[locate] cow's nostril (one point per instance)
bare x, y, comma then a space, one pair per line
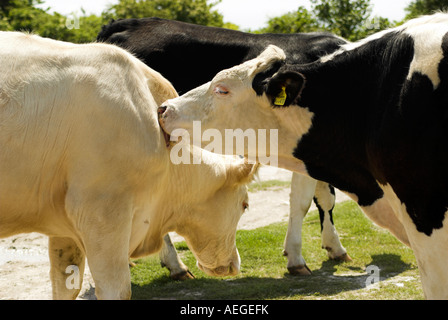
161, 110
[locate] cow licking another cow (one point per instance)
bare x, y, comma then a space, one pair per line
370, 118
83, 160
190, 55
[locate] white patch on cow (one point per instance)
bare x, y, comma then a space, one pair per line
430, 251
427, 33
293, 123
353, 45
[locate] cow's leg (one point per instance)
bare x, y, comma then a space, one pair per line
170, 259
324, 198
104, 225
67, 268
432, 258
300, 198
107, 254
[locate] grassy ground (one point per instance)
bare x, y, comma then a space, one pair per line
263, 268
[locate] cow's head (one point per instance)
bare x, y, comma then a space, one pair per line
203, 203
253, 95
213, 206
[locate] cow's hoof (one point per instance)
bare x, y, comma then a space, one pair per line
344, 257
300, 270
185, 275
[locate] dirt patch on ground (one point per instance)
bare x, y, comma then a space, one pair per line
24, 262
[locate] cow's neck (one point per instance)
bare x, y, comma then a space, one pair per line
292, 123
348, 95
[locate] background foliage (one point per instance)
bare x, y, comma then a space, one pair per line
351, 19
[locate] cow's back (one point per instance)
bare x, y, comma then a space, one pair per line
190, 55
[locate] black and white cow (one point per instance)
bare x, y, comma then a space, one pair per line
189, 55
371, 119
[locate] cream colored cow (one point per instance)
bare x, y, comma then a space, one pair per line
83, 160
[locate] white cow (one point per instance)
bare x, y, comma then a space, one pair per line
83, 160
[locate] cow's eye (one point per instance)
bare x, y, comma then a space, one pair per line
221, 90
245, 206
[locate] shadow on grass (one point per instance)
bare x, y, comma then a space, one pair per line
323, 282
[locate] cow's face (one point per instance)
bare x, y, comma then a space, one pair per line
252, 95
209, 224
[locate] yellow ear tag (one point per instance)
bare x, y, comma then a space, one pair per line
281, 98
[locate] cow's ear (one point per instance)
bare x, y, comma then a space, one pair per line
241, 172
284, 88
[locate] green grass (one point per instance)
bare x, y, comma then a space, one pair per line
263, 267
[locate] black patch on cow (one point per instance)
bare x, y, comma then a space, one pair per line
187, 55
322, 212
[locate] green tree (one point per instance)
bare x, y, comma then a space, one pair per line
25, 15
83, 28
343, 17
20, 15
373, 25
28, 15
422, 7
349, 19
299, 21
192, 11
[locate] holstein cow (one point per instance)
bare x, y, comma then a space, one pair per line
83, 160
371, 119
189, 55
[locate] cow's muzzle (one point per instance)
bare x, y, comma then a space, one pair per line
230, 270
